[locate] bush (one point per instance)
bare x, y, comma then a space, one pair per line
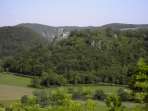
2, 108
124, 95
81, 93
1, 66
59, 97
28, 100
24, 99
114, 103
42, 98
51, 78
56, 97
36, 82
99, 95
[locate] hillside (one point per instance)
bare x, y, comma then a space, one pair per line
15, 39
121, 26
13, 87
53, 33
58, 33
92, 56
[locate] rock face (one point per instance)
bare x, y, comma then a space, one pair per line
51, 33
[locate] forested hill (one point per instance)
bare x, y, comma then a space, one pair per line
53, 33
58, 33
85, 56
16, 39
121, 26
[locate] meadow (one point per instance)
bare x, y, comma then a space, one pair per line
13, 87
12, 79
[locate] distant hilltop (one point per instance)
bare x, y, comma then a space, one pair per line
121, 26
52, 33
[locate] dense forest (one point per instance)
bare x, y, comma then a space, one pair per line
86, 56
80, 99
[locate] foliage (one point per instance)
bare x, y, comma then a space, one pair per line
114, 103
49, 79
56, 97
139, 82
42, 98
72, 106
124, 94
14, 40
28, 100
13, 79
1, 66
81, 93
86, 56
99, 95
54, 101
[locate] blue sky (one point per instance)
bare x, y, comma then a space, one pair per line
73, 12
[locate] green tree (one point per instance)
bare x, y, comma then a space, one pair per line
139, 82
114, 103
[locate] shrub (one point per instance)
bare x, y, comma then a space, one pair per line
90, 105
2, 108
24, 99
81, 93
28, 100
59, 97
124, 95
1, 66
99, 95
51, 78
114, 103
42, 98
36, 82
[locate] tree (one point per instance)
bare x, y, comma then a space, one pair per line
139, 82
36, 82
99, 95
1, 66
28, 100
114, 103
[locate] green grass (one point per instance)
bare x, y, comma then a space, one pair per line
13, 87
11, 79
108, 89
8, 102
101, 106
8, 92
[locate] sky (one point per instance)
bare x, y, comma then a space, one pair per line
73, 12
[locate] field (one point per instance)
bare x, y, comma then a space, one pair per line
8, 92
11, 79
13, 87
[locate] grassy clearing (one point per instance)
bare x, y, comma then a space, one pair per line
8, 92
108, 89
7, 103
10, 79
13, 87
101, 106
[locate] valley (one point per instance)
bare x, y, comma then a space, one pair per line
90, 68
